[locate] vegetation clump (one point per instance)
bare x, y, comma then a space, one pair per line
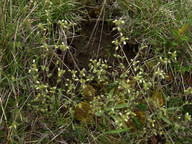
82, 71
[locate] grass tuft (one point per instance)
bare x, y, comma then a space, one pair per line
81, 71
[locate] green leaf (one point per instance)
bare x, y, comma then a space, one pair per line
99, 113
172, 108
139, 141
183, 29
174, 43
175, 33
117, 131
166, 120
111, 93
158, 97
142, 106
121, 106
137, 123
184, 38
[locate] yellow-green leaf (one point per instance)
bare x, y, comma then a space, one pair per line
121, 106
158, 97
183, 29
166, 120
82, 111
99, 113
117, 131
88, 92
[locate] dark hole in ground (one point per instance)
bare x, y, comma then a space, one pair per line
95, 41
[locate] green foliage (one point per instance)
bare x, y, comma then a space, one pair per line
48, 97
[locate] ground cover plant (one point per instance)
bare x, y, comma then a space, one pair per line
92, 71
